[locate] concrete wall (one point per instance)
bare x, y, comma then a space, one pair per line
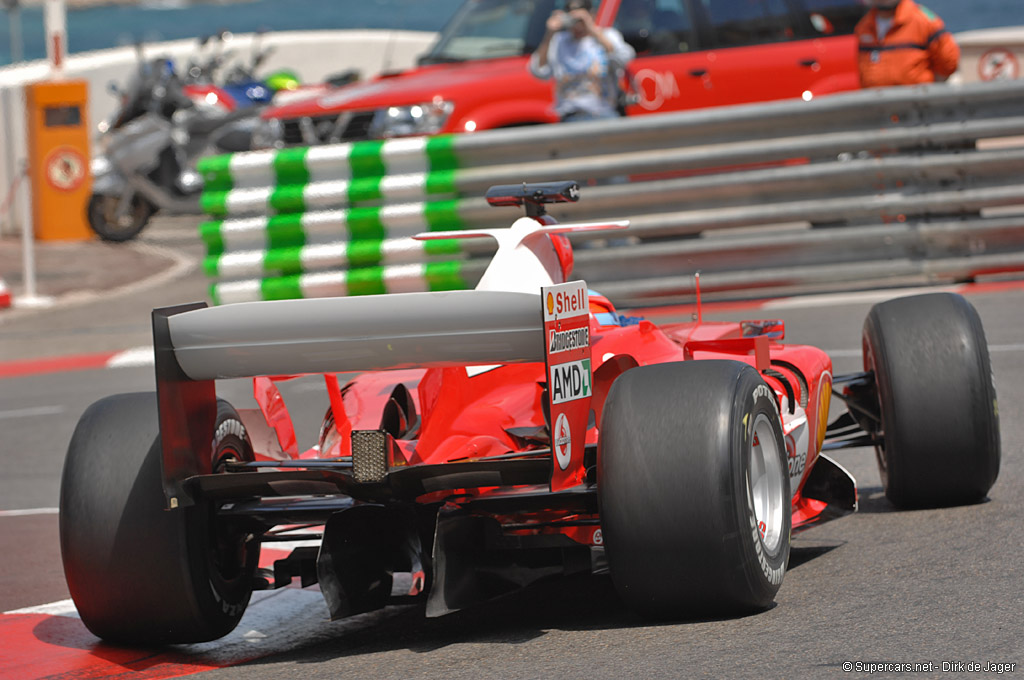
997, 43
313, 55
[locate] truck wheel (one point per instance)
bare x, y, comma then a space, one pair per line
693, 489
939, 431
103, 218
138, 573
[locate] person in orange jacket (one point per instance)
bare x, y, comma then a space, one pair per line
903, 43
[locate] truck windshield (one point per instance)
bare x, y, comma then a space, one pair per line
488, 29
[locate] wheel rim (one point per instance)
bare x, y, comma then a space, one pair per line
229, 545
124, 223
766, 484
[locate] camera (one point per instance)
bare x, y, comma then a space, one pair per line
567, 22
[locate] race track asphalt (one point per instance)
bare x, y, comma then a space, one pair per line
882, 586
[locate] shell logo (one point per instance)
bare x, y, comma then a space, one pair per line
551, 303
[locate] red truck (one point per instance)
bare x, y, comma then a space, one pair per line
690, 54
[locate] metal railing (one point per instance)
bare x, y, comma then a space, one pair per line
313, 55
869, 188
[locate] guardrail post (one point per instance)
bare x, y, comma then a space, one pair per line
10, 163
30, 298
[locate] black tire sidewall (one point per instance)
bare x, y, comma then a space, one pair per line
764, 569
231, 586
138, 573
673, 468
936, 398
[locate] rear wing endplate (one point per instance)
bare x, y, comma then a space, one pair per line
569, 378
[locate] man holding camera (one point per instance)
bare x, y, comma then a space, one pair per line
586, 63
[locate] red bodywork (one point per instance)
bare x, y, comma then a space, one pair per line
468, 416
430, 460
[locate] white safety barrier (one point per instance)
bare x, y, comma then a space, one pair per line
880, 187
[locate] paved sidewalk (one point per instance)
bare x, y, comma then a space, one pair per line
78, 267
102, 293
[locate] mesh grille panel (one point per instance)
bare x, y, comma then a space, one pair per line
369, 457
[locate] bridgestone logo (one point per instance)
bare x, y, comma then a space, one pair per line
563, 341
773, 574
570, 381
227, 428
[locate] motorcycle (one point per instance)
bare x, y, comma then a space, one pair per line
152, 143
240, 88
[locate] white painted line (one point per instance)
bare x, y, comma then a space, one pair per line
61, 608
29, 511
842, 353
858, 298
136, 356
32, 412
34, 302
847, 353
181, 264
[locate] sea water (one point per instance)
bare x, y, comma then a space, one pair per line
157, 20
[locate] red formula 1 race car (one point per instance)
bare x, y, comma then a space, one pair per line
501, 435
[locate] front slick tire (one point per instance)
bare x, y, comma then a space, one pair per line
939, 420
693, 490
140, 574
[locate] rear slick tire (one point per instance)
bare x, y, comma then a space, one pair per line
939, 418
140, 574
693, 490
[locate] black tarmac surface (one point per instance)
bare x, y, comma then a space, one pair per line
882, 586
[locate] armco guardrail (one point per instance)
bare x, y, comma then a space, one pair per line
860, 189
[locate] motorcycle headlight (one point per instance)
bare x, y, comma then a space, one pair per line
268, 134
418, 119
99, 165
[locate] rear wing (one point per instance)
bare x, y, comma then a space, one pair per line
333, 335
196, 345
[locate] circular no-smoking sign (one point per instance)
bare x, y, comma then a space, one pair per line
998, 64
65, 168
